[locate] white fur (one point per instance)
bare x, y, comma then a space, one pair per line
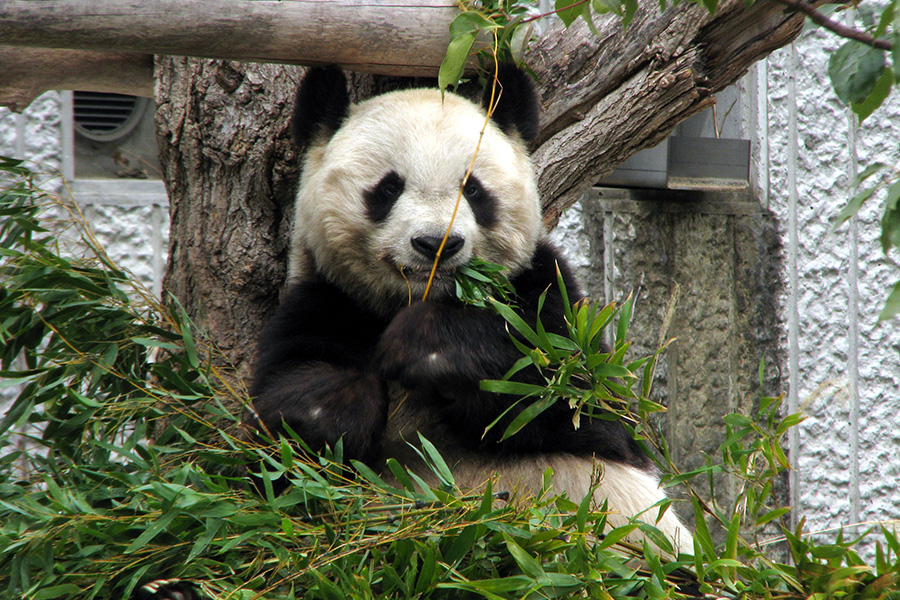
629, 492
429, 142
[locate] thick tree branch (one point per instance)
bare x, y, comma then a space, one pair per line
606, 97
835, 27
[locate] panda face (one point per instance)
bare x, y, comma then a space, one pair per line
379, 195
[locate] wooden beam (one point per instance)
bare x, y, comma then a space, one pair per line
29, 72
394, 37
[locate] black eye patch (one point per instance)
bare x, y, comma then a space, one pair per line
381, 198
483, 203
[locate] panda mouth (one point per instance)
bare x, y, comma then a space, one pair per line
420, 273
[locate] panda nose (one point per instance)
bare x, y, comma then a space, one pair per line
428, 245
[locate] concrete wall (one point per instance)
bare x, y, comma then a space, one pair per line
704, 269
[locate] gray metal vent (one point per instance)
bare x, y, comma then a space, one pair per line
106, 117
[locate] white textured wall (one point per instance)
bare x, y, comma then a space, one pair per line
35, 134
843, 367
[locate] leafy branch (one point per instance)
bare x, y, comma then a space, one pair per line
836, 27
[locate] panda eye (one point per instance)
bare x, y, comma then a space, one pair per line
381, 198
483, 203
472, 189
389, 188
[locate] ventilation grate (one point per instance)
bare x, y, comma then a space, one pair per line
106, 117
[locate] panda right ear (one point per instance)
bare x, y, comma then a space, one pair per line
322, 104
518, 107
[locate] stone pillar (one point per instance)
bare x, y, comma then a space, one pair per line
717, 256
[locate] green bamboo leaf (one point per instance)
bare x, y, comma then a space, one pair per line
490, 588
211, 528
880, 91
516, 322
702, 537
525, 561
629, 8
624, 321
852, 206
426, 579
454, 63
616, 535
151, 532
436, 461
890, 221
513, 388
568, 10
891, 305
471, 21
771, 516
66, 590
895, 38
527, 416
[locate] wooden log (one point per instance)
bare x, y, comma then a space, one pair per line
397, 37
29, 72
605, 97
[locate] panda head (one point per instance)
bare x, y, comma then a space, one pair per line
381, 179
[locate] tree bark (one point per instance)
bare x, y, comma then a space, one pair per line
231, 169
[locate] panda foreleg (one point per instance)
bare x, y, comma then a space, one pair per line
323, 403
435, 345
443, 352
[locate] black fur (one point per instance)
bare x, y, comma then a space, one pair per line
324, 351
518, 109
162, 589
316, 353
321, 105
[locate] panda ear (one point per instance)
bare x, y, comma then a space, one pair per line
321, 105
518, 108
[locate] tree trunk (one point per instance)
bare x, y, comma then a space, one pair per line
231, 168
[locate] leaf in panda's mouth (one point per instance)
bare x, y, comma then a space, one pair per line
479, 280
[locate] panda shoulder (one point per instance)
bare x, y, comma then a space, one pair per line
547, 265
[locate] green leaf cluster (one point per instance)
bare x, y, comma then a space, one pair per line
122, 459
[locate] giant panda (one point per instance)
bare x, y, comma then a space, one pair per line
353, 354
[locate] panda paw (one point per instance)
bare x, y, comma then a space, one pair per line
166, 589
416, 349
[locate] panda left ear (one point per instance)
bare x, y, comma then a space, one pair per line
518, 108
322, 104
